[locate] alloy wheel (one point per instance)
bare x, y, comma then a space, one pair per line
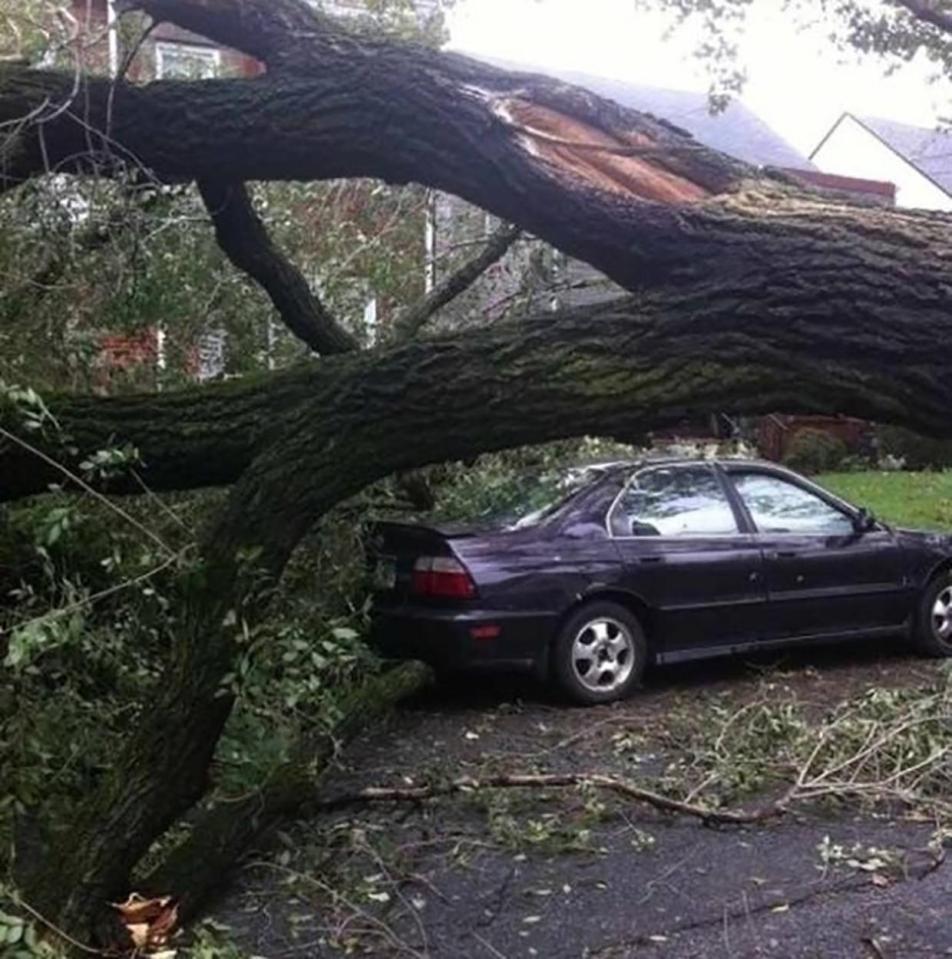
942, 615
603, 654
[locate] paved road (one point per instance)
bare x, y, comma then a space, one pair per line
460, 878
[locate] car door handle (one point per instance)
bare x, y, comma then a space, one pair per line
785, 554
649, 559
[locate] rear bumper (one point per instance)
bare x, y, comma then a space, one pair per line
443, 637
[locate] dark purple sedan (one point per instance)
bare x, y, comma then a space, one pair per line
659, 561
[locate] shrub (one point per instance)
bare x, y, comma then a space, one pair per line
916, 452
815, 451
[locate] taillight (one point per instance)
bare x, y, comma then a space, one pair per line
442, 576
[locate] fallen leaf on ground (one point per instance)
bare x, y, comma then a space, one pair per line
149, 922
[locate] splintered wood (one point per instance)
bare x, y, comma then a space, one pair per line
620, 164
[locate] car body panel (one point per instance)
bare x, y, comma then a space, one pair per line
703, 590
819, 584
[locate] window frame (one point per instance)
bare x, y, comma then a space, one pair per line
741, 519
164, 48
793, 479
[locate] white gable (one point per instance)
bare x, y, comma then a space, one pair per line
850, 149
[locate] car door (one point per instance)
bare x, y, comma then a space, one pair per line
824, 574
685, 554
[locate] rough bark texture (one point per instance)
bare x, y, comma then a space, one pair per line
567, 166
245, 241
825, 325
385, 110
195, 869
752, 295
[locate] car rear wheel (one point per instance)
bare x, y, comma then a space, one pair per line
934, 625
600, 653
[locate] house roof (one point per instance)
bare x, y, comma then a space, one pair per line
737, 131
927, 149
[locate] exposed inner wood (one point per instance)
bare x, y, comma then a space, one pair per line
602, 160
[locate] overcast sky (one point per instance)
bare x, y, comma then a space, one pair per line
797, 81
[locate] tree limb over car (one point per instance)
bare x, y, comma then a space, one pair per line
748, 292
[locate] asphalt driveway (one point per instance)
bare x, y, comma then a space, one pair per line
569, 873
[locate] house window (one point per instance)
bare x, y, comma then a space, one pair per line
210, 355
181, 61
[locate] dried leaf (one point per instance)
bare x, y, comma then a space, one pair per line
163, 926
138, 909
138, 933
149, 922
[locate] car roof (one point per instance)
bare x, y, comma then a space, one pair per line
661, 460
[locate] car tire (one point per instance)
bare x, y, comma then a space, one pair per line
933, 627
600, 653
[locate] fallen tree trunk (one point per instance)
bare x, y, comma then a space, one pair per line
852, 344
753, 295
630, 194
194, 871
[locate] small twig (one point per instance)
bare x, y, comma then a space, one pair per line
82, 484
55, 614
65, 936
337, 896
488, 946
876, 948
162, 506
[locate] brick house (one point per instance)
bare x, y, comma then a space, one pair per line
170, 52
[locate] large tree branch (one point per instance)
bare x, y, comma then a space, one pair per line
270, 31
567, 166
244, 239
824, 334
415, 317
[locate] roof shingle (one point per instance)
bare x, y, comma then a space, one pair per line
927, 149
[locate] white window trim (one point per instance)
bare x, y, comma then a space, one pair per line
162, 50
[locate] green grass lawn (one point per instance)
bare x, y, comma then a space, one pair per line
918, 500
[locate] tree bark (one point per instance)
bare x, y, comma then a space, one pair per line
565, 165
637, 199
220, 836
824, 326
245, 241
752, 295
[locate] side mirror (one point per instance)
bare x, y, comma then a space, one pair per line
864, 521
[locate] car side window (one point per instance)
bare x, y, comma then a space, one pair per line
673, 501
778, 506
